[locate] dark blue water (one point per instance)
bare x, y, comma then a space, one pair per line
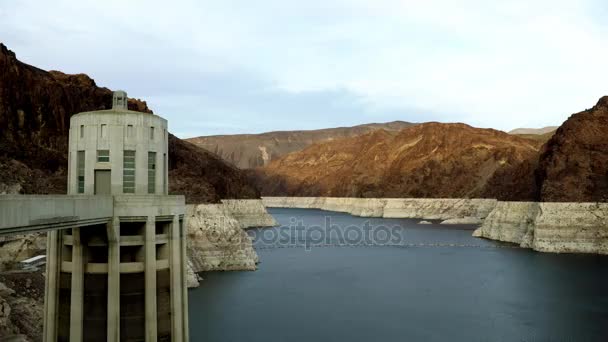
429, 283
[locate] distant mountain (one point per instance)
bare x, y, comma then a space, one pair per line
573, 166
537, 131
35, 111
254, 150
427, 160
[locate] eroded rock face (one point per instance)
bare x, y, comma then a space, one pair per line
574, 164
21, 316
550, 227
217, 240
249, 213
204, 177
430, 160
510, 222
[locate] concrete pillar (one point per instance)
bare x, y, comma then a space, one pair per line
51, 296
77, 295
175, 255
113, 231
150, 278
184, 258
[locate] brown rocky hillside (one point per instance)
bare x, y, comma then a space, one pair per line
427, 160
574, 163
254, 150
35, 110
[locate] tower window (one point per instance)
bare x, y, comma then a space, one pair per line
129, 131
104, 131
128, 172
103, 156
151, 172
151, 133
80, 171
82, 131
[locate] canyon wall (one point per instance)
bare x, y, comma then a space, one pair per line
428, 160
550, 227
249, 213
216, 236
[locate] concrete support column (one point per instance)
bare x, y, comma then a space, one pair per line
113, 231
150, 278
175, 259
184, 258
77, 295
51, 295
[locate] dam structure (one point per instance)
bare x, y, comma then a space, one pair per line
116, 246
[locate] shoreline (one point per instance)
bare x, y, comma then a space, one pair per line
541, 226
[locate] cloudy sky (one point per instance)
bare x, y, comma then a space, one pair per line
247, 66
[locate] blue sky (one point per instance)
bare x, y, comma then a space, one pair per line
223, 67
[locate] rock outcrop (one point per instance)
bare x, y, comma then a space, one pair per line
253, 150
573, 166
464, 220
203, 177
249, 213
217, 240
430, 160
21, 309
550, 227
510, 222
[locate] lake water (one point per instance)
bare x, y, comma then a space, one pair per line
402, 282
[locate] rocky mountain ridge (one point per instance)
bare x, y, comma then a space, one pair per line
254, 150
573, 165
536, 131
453, 160
432, 160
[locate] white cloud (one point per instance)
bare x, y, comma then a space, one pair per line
492, 64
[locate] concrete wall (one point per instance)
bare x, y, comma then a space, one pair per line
116, 141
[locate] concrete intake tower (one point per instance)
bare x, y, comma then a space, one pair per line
123, 279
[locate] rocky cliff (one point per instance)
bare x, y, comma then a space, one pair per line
21, 307
35, 111
204, 177
254, 150
550, 227
431, 160
573, 166
216, 236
